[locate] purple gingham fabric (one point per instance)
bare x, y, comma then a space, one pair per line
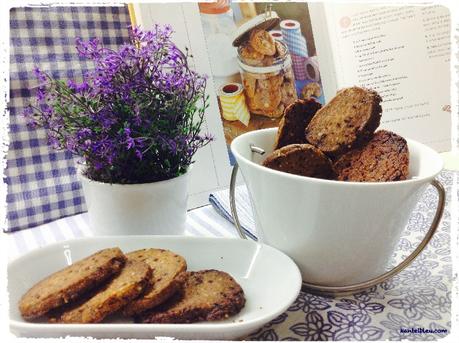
42, 183
299, 67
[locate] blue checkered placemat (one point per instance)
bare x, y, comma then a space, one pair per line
42, 184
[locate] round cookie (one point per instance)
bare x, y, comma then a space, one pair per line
347, 121
296, 117
288, 92
207, 295
301, 159
250, 56
274, 113
71, 282
267, 61
384, 158
167, 278
262, 42
267, 100
129, 284
272, 82
250, 85
310, 90
281, 50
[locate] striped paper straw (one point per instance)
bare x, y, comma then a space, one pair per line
232, 101
291, 34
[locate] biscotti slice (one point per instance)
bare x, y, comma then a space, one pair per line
262, 42
301, 159
384, 158
206, 295
167, 278
125, 287
346, 122
71, 282
250, 56
296, 117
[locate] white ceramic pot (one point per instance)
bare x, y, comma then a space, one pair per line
157, 208
339, 233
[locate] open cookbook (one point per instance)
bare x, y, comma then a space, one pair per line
402, 52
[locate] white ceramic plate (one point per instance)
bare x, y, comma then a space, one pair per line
271, 282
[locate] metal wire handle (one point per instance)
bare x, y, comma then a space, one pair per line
238, 225
357, 287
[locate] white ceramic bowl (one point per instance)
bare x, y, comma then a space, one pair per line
271, 282
339, 233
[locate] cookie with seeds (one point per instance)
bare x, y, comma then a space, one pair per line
122, 289
384, 158
262, 42
347, 121
281, 50
167, 278
206, 295
250, 56
272, 82
71, 282
266, 101
311, 90
301, 159
296, 117
250, 85
288, 92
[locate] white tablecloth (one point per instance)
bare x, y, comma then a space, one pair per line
418, 299
203, 221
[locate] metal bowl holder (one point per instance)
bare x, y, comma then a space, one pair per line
357, 287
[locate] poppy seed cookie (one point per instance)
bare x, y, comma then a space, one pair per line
206, 295
384, 158
71, 282
296, 117
167, 278
347, 121
129, 284
301, 159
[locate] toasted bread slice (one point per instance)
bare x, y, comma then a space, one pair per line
206, 295
167, 278
296, 117
384, 158
346, 122
71, 282
301, 159
123, 288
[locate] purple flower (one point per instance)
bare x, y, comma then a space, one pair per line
77, 88
130, 142
135, 117
39, 74
83, 133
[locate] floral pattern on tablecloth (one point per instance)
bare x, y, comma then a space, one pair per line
418, 297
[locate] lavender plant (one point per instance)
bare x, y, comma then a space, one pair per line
135, 118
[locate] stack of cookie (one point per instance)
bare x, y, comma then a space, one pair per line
338, 141
268, 90
150, 284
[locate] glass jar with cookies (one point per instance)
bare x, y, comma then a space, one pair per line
265, 66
